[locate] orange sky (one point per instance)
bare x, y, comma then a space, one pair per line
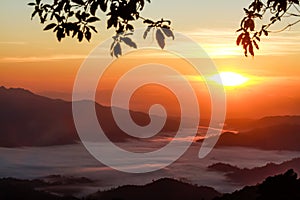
33, 59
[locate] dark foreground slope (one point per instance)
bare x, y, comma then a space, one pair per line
161, 189
13, 189
280, 187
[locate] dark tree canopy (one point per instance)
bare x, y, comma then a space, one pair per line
275, 10
75, 18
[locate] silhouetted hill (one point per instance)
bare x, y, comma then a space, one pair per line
280, 187
27, 119
65, 180
223, 167
255, 175
160, 189
276, 137
248, 124
276, 120
269, 133
14, 189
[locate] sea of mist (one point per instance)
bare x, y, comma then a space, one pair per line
74, 160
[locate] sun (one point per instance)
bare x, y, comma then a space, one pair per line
229, 79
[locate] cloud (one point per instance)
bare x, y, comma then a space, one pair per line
282, 43
40, 59
12, 43
221, 43
217, 43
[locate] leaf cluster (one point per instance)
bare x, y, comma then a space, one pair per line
76, 18
161, 29
249, 35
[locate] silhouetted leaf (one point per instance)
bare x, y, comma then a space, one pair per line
49, 26
94, 29
147, 31
239, 39
93, 8
103, 5
112, 46
31, 4
112, 22
71, 14
92, 19
249, 24
80, 36
245, 51
60, 34
117, 50
88, 35
129, 42
78, 15
255, 44
168, 32
58, 18
80, 2
129, 27
160, 38
142, 4
251, 51
33, 14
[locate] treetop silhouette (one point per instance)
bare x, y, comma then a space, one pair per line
277, 10
76, 18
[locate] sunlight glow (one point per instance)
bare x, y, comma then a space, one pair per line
230, 79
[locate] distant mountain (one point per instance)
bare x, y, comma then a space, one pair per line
276, 120
269, 133
160, 189
279, 187
253, 176
248, 124
65, 180
223, 167
27, 119
275, 137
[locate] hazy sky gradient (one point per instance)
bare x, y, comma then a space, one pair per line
33, 59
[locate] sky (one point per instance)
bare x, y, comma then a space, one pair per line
33, 59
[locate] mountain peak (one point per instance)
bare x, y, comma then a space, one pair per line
15, 90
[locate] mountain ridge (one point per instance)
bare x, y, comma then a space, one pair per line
27, 119
246, 176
